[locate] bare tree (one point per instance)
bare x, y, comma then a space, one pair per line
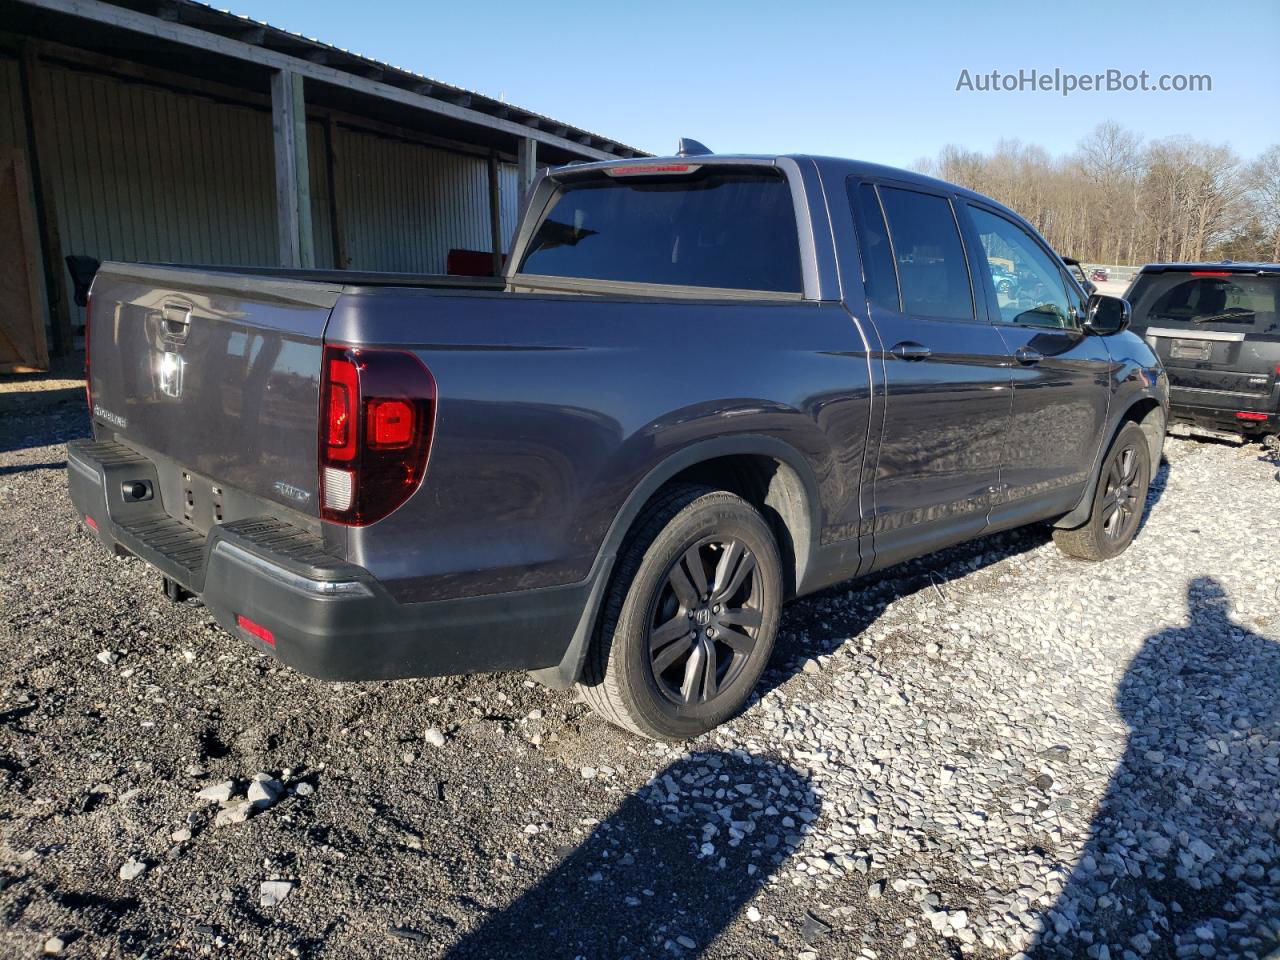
1262, 178
1116, 200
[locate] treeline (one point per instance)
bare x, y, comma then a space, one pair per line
1119, 200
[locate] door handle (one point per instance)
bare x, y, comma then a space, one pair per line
1027, 356
910, 350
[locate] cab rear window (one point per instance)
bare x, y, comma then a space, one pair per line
1208, 300
729, 228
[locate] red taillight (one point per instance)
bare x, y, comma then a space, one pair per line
255, 630
343, 384
88, 382
1211, 273
1251, 416
390, 424
379, 409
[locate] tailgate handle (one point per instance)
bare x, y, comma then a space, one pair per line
175, 319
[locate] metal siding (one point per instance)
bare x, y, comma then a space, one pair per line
407, 205
145, 173
142, 173
509, 208
12, 128
317, 163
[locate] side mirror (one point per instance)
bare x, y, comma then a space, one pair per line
1107, 315
1090, 287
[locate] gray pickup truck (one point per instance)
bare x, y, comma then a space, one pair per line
705, 385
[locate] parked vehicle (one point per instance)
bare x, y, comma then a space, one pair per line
705, 385
1215, 328
1077, 271
1005, 280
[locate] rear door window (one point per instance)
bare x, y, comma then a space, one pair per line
732, 228
1207, 300
928, 255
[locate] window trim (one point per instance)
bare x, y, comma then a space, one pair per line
988, 285
949, 198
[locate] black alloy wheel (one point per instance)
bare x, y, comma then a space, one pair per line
705, 621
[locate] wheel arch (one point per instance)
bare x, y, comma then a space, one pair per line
1148, 413
768, 473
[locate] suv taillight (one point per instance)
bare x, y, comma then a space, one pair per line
377, 415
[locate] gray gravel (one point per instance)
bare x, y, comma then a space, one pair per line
989, 751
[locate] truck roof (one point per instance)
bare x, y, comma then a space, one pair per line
837, 165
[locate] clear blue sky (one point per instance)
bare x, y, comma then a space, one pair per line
875, 82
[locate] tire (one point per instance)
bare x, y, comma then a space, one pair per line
1112, 526
656, 682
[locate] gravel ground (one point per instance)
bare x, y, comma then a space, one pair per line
989, 751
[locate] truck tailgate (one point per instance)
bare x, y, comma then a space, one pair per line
215, 374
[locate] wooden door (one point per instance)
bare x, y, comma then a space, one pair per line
23, 347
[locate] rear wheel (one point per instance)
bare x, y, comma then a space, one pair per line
690, 616
1118, 502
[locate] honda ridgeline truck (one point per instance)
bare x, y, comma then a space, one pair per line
705, 385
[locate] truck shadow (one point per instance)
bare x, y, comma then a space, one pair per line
1184, 851
671, 868
862, 601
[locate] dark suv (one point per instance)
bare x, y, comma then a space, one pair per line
1215, 327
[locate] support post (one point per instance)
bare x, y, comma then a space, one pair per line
35, 106
495, 215
293, 178
527, 162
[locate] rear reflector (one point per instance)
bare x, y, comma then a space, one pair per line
1251, 416
91, 523
255, 630
338, 485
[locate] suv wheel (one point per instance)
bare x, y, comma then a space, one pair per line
1118, 503
690, 616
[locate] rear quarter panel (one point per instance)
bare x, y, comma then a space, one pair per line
552, 409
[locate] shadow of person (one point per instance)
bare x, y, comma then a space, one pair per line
670, 869
1184, 855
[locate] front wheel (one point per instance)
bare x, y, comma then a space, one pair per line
690, 616
1118, 502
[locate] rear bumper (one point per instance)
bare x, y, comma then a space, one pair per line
1216, 411
321, 615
